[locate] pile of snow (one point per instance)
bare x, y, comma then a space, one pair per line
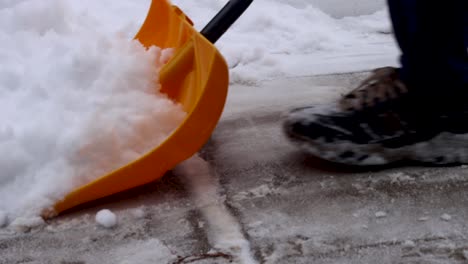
277, 38
273, 38
342, 8
76, 102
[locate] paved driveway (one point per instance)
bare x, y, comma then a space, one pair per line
266, 202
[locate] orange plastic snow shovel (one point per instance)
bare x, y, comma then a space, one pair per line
196, 77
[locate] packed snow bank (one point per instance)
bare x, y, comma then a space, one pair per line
278, 38
274, 38
342, 8
76, 103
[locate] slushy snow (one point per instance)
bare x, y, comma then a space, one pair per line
76, 102
106, 218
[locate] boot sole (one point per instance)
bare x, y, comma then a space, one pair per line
443, 149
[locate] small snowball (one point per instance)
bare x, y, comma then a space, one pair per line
446, 217
106, 218
380, 214
423, 219
408, 244
3, 219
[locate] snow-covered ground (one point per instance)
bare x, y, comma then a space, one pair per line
261, 201
294, 38
276, 38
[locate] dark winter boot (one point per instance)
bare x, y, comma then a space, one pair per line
384, 121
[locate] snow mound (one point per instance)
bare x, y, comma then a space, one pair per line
284, 37
76, 103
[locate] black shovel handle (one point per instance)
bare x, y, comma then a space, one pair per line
224, 19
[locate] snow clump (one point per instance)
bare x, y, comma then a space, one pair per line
76, 102
106, 218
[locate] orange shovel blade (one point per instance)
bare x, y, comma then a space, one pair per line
196, 77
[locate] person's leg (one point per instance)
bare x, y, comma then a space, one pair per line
433, 38
418, 112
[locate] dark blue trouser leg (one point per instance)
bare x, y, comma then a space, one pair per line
433, 38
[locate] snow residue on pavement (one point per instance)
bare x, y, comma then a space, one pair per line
141, 252
76, 103
446, 217
224, 231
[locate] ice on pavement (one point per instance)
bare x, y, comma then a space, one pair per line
76, 103
106, 218
225, 233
